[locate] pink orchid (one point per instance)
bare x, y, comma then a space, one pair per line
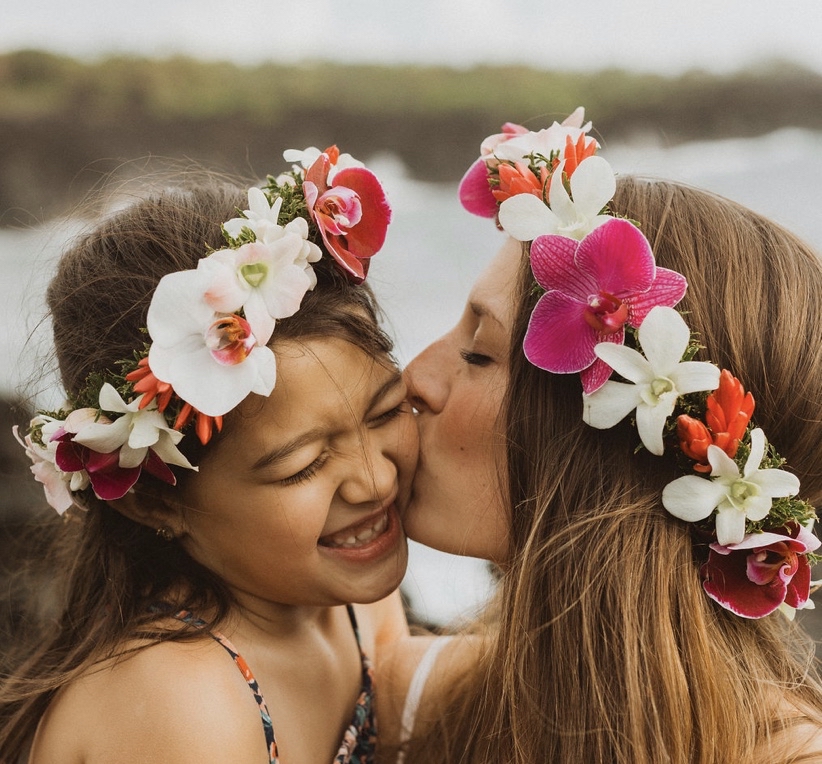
756, 576
352, 213
108, 479
45, 472
594, 287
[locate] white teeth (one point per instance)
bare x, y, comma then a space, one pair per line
348, 541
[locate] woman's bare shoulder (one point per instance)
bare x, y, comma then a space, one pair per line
171, 701
397, 666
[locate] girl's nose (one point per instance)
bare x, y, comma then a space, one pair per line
372, 477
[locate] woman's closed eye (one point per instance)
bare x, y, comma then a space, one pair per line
475, 359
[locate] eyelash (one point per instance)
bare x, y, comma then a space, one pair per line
475, 359
305, 473
389, 415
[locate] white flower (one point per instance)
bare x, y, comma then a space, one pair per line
525, 216
544, 142
267, 280
133, 433
212, 360
657, 381
736, 496
305, 158
259, 217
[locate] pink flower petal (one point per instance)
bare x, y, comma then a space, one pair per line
553, 262
619, 257
668, 289
366, 237
475, 193
558, 338
799, 587
599, 372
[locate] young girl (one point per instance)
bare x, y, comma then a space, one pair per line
602, 408
232, 458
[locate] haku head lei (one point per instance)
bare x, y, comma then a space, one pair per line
601, 291
209, 329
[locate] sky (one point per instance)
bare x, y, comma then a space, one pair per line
664, 36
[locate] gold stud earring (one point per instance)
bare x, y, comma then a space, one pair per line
165, 533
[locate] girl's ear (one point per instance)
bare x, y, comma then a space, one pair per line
151, 506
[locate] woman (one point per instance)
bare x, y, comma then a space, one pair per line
621, 636
205, 613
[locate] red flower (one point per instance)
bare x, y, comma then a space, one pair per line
754, 577
351, 213
108, 479
728, 411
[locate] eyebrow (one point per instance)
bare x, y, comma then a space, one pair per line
481, 311
282, 452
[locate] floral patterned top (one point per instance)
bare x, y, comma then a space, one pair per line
360, 738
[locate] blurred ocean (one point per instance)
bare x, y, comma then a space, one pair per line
434, 251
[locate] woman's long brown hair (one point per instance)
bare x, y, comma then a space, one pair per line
608, 650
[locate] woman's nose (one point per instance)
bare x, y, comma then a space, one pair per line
427, 378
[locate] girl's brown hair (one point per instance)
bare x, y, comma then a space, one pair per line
608, 649
115, 571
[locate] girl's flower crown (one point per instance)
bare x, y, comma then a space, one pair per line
601, 287
209, 329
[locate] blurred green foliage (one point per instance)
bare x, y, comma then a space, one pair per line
65, 123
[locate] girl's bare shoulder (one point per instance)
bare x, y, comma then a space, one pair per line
181, 701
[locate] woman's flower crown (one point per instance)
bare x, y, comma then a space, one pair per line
209, 329
601, 287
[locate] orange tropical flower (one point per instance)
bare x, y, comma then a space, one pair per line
145, 382
518, 178
575, 153
728, 410
204, 425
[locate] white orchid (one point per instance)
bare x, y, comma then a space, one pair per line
658, 378
735, 495
544, 142
133, 433
525, 216
212, 360
267, 280
259, 218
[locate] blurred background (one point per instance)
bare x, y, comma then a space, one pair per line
727, 96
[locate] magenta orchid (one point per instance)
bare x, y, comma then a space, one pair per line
350, 210
763, 572
593, 288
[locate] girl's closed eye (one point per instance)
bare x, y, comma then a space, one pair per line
392, 413
306, 473
475, 359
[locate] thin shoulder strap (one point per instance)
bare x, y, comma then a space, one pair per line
415, 689
268, 728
